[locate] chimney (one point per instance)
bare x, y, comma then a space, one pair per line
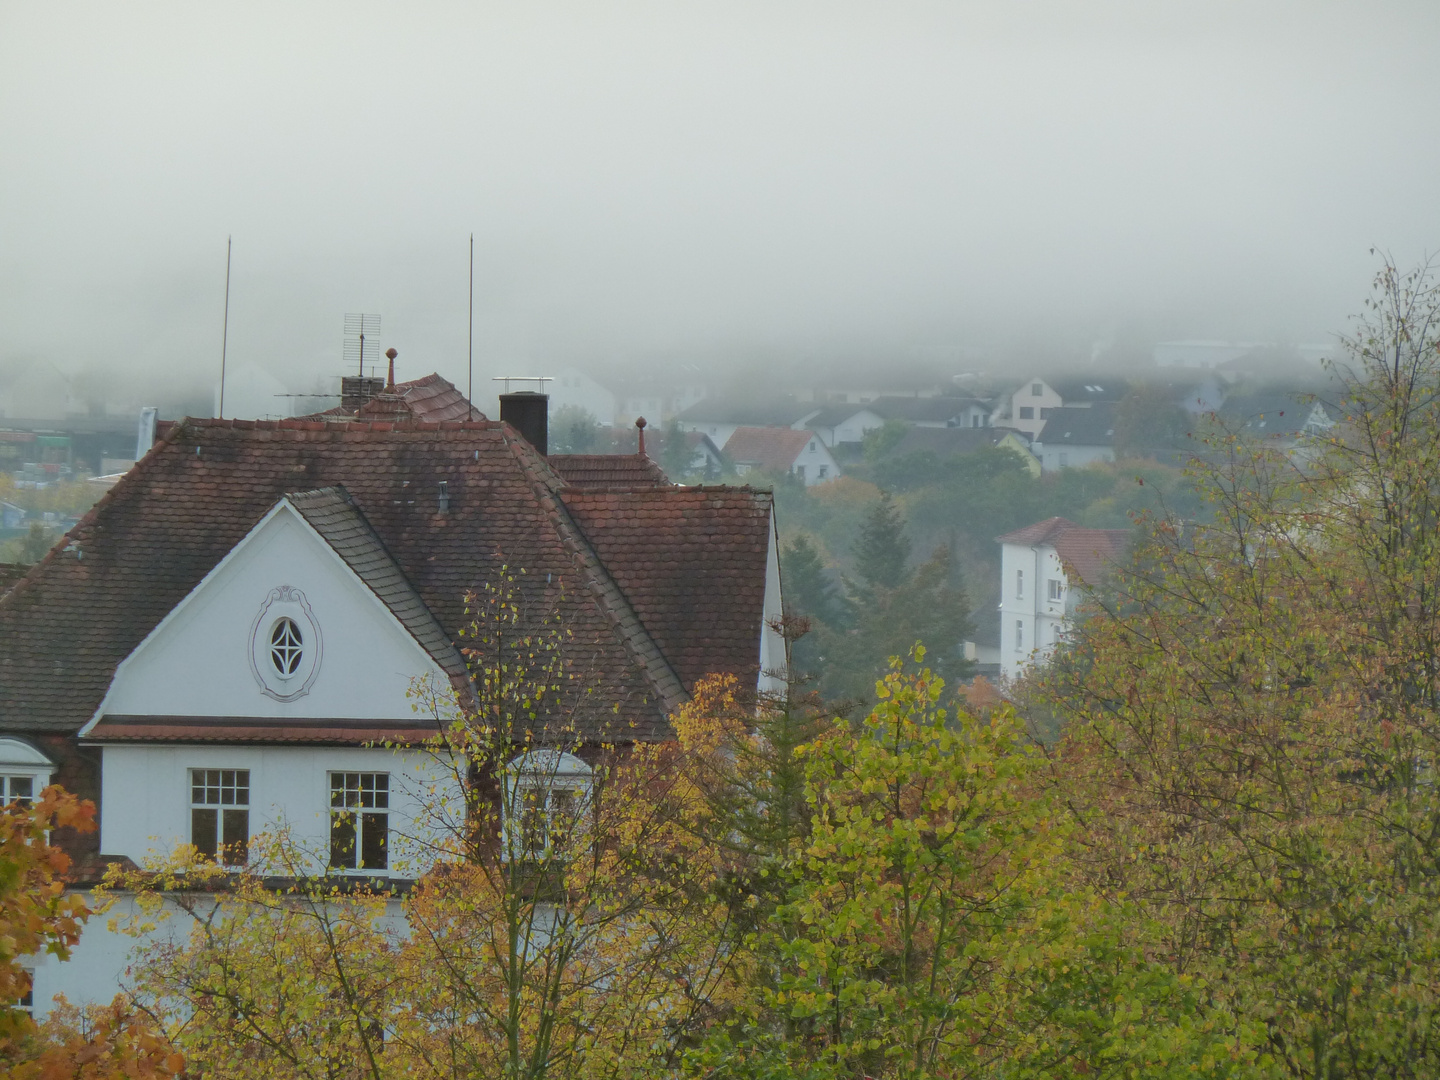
145, 437
356, 390
528, 413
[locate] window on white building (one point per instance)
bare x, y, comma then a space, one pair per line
824, 471
1036, 389
1027, 412
1019, 584
547, 791
359, 821
287, 647
1054, 589
17, 789
26, 1001
800, 471
220, 814
1019, 634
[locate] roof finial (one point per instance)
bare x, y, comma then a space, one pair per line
640, 423
390, 353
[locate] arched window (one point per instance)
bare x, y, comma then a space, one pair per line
24, 771
546, 794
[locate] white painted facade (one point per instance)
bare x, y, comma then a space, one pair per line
773, 667
1055, 458
1034, 605
1028, 408
850, 430
815, 464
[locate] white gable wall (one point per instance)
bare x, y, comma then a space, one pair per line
197, 662
1026, 607
772, 644
814, 457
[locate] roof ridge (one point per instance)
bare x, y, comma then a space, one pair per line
611, 599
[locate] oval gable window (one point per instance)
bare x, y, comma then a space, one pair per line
285, 645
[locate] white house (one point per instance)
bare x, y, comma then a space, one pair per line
1031, 404
1043, 569
802, 454
224, 642
1072, 438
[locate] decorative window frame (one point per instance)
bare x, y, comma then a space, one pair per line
534, 770
20, 757
285, 602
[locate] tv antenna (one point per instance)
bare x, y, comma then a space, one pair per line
362, 333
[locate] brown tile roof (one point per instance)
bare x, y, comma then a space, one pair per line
678, 551
608, 470
432, 399
767, 447
1088, 553
249, 729
156, 533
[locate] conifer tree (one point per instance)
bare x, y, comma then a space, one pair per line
882, 549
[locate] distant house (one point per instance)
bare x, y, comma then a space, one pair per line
963, 412
619, 401
720, 417
1074, 437
950, 442
11, 516
782, 450
1044, 569
1276, 415
1028, 407
842, 424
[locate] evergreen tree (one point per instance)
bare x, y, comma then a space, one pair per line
807, 590
882, 550
575, 431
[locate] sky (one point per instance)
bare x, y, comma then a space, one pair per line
724, 185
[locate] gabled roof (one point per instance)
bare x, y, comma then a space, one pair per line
779, 410
947, 442
333, 514
1275, 413
608, 470
767, 447
920, 410
833, 415
1089, 388
1094, 426
1088, 553
154, 536
432, 399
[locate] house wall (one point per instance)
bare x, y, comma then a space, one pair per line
850, 430
1055, 458
147, 796
197, 661
815, 464
574, 387
1026, 398
773, 668
1042, 620
718, 430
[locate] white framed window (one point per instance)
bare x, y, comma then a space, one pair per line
547, 792
1027, 412
1036, 389
359, 821
25, 1003
1019, 634
1054, 589
24, 772
220, 814
1019, 584
824, 471
285, 645
800, 471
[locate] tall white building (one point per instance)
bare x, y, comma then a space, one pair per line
1043, 568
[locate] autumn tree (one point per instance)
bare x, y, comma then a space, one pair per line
1252, 720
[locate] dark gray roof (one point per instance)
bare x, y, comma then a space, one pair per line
923, 409
1092, 426
1276, 412
947, 442
832, 415
333, 514
780, 410
1085, 388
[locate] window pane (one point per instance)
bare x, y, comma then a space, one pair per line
342, 841
375, 840
203, 830
237, 837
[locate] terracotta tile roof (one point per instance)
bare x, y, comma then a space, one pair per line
767, 447
679, 551
432, 399
156, 533
333, 514
1088, 553
608, 470
249, 729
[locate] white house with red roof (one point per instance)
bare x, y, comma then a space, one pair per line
1043, 570
802, 454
